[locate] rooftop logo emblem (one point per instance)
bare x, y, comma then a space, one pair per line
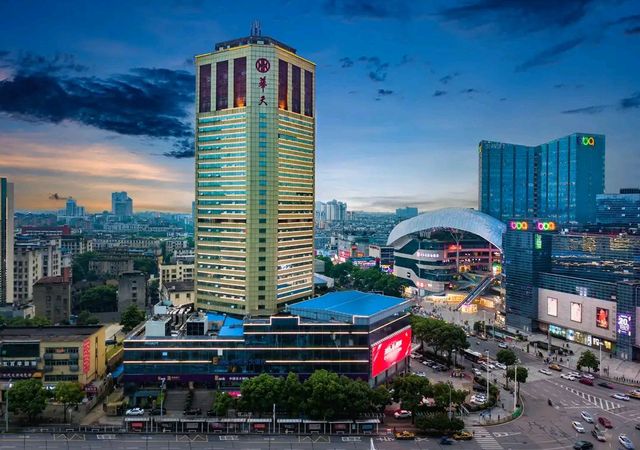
522, 226
588, 140
546, 226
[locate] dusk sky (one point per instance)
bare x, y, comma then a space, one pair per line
98, 97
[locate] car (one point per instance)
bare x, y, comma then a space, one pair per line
158, 411
545, 371
619, 396
555, 367
134, 412
605, 422
425, 362
588, 376
626, 442
462, 436
577, 426
503, 345
586, 381
421, 374
192, 412
501, 366
445, 441
606, 385
415, 356
638, 426
586, 416
402, 414
478, 399
477, 372
568, 376
405, 435
582, 445
574, 374
598, 434
634, 393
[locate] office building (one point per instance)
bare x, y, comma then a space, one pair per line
575, 285
121, 204
176, 272
406, 213
336, 211
52, 298
72, 210
558, 180
33, 259
53, 354
255, 158
356, 334
383, 255
132, 290
619, 210
6, 242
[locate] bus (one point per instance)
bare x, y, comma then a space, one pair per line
472, 356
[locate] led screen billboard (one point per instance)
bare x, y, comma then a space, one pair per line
602, 318
624, 324
552, 306
576, 312
390, 351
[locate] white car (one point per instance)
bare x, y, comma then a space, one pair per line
503, 345
402, 414
588, 376
586, 416
619, 396
626, 442
545, 371
477, 372
478, 399
421, 374
501, 366
577, 426
134, 412
574, 374
568, 376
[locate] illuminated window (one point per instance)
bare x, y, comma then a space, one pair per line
239, 82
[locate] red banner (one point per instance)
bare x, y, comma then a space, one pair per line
86, 356
390, 351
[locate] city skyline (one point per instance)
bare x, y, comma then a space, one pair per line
124, 95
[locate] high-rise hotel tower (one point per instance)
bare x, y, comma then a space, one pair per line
255, 164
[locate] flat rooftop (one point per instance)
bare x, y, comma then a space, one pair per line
58, 333
346, 306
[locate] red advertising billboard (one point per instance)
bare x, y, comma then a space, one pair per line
86, 356
390, 351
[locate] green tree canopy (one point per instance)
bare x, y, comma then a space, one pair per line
523, 373
86, 318
324, 395
80, 266
103, 298
146, 265
27, 398
69, 394
439, 422
131, 317
260, 393
506, 357
589, 360
222, 403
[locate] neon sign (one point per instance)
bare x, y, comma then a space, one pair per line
546, 226
522, 225
588, 140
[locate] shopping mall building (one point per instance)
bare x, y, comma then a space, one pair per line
360, 335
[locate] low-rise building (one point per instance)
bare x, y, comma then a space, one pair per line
33, 259
132, 290
52, 298
179, 293
176, 272
111, 265
53, 354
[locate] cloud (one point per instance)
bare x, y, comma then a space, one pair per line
439, 93
384, 92
631, 102
518, 15
29, 63
470, 91
550, 55
595, 109
632, 21
448, 78
406, 59
391, 202
183, 149
378, 68
368, 9
634, 30
346, 62
148, 102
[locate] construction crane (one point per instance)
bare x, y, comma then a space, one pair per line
55, 196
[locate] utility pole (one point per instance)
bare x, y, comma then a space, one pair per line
6, 413
515, 389
487, 361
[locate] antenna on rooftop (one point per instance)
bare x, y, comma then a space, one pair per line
255, 28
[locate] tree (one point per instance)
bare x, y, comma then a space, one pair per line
324, 395
589, 360
131, 317
80, 266
37, 321
409, 390
292, 395
28, 398
439, 423
506, 357
440, 393
86, 318
328, 265
101, 298
222, 403
260, 393
523, 373
153, 291
69, 394
380, 397
479, 326
146, 265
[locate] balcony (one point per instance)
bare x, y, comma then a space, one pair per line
74, 368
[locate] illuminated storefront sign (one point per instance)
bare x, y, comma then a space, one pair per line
523, 225
580, 337
86, 356
538, 242
624, 324
519, 225
545, 226
602, 318
588, 140
425, 254
390, 351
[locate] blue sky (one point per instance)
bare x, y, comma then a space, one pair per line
99, 97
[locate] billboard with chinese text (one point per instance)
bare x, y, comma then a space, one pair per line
390, 351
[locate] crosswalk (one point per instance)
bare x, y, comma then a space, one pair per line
485, 440
606, 405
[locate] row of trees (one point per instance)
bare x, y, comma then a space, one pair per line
324, 395
349, 276
441, 336
29, 398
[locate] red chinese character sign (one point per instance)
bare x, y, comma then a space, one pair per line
390, 351
86, 356
263, 65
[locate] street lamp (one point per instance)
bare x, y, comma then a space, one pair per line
6, 413
162, 386
488, 392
